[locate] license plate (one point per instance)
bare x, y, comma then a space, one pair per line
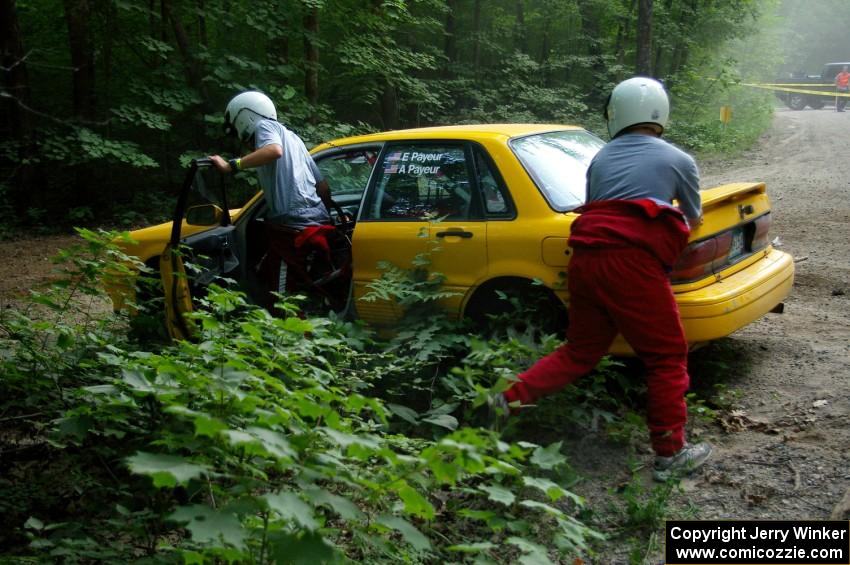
737, 247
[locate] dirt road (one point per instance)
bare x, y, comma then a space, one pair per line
787, 453
782, 438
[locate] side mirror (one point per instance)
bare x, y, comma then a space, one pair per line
204, 215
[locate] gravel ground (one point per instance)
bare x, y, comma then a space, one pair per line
781, 449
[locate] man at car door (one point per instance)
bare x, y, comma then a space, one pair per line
626, 239
296, 195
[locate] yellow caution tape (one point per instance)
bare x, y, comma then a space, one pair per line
829, 93
792, 84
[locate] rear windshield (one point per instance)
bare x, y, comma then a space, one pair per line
557, 162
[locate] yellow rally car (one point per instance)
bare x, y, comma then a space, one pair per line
498, 199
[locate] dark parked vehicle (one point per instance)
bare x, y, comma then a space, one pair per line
808, 88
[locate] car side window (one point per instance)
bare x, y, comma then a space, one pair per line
348, 172
421, 181
493, 192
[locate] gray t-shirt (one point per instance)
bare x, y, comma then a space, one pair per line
634, 166
289, 183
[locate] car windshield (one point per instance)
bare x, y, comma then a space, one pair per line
557, 162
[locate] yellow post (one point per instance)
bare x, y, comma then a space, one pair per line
725, 114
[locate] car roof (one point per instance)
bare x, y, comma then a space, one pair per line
470, 131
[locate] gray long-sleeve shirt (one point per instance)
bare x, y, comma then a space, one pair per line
634, 166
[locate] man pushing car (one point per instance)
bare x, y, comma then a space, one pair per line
625, 241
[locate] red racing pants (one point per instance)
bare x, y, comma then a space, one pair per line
291, 247
626, 291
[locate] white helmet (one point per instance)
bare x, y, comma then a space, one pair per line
245, 110
638, 100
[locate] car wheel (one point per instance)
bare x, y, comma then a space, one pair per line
796, 101
516, 303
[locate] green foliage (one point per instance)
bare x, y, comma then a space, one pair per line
262, 441
159, 79
696, 122
516, 92
59, 343
646, 508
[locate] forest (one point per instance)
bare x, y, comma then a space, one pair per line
311, 439
103, 100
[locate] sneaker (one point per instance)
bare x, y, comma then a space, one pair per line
498, 411
686, 460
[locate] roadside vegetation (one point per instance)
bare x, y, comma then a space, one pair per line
301, 439
103, 102
309, 438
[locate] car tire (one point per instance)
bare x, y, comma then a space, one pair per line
518, 303
796, 101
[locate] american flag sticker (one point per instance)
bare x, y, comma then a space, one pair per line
391, 162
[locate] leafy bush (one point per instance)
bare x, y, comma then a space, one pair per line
262, 441
695, 122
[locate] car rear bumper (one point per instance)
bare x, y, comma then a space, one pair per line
732, 302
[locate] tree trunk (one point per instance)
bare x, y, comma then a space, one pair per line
450, 45
202, 23
77, 16
15, 74
111, 24
680, 51
476, 36
152, 20
16, 118
520, 37
389, 107
163, 21
624, 31
193, 66
619, 51
311, 56
544, 56
590, 35
643, 56
278, 50
657, 69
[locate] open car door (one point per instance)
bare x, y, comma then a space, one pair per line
211, 249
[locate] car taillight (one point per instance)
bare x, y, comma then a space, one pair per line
724, 247
760, 236
695, 262
714, 254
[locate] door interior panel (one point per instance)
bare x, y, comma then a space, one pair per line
213, 254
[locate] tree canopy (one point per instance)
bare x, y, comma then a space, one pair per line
101, 98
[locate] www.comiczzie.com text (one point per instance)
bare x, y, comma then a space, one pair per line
758, 542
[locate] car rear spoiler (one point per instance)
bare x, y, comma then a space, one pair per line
731, 192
